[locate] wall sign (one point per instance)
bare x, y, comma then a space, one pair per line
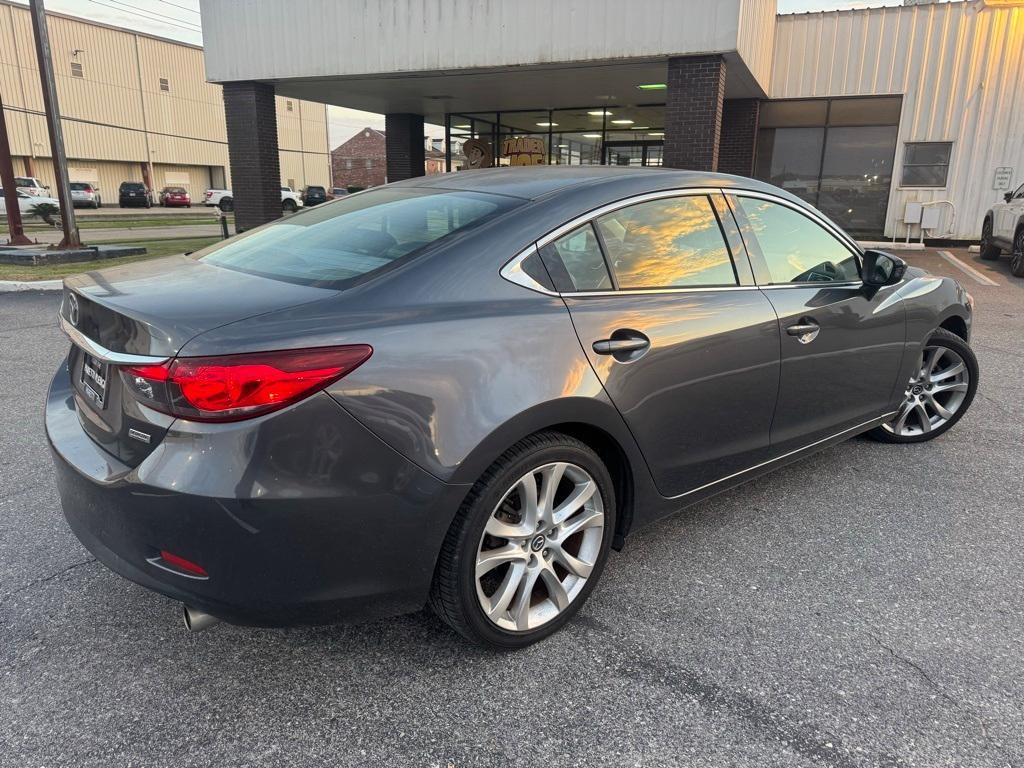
524, 151
1003, 178
478, 153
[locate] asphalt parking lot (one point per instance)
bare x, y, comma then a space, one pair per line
862, 608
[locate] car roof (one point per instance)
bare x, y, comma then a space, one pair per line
537, 181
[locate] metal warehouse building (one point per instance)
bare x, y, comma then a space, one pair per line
136, 108
861, 112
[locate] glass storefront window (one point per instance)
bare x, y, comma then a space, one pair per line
612, 134
837, 154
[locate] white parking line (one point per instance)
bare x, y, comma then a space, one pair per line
967, 269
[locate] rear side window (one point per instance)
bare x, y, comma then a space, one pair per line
668, 243
575, 262
357, 235
795, 248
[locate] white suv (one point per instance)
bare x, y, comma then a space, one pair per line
1004, 228
31, 186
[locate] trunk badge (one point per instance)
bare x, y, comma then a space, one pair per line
140, 436
73, 309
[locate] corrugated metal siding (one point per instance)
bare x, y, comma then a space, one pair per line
270, 40
960, 69
116, 116
756, 37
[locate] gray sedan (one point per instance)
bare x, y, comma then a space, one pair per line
464, 390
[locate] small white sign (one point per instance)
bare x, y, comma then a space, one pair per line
1003, 178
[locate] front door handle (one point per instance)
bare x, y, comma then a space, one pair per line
624, 345
805, 332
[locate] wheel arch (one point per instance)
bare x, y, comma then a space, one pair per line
956, 324
592, 421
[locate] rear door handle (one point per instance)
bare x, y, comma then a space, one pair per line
805, 332
624, 345
611, 346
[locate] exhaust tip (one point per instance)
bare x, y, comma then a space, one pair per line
196, 620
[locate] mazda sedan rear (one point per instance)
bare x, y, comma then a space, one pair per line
464, 390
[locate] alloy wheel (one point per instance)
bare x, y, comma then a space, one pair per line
539, 546
1017, 261
934, 394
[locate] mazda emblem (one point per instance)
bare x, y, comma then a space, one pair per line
73, 308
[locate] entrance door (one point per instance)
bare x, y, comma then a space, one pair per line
633, 153
841, 344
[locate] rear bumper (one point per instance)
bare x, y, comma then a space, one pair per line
302, 516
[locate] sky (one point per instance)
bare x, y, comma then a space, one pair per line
179, 20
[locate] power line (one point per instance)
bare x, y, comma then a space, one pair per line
184, 8
147, 18
148, 12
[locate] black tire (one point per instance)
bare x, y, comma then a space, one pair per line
1017, 254
290, 206
226, 204
988, 250
453, 594
941, 337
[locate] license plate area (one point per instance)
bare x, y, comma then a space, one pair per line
95, 380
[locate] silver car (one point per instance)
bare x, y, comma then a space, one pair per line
85, 195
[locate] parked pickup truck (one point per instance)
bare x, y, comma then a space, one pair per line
224, 199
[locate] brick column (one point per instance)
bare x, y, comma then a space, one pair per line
739, 136
406, 152
693, 112
252, 149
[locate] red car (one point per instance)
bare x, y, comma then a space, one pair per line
170, 196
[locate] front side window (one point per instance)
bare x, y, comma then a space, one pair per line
330, 244
669, 243
795, 248
926, 164
575, 262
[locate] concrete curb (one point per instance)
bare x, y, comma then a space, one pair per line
9, 286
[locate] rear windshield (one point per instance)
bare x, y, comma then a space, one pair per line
359, 234
131, 185
79, 185
175, 191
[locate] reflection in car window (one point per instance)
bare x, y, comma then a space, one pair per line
796, 249
354, 236
576, 263
667, 243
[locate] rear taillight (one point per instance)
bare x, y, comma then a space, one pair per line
233, 387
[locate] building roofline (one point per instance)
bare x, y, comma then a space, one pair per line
864, 8
105, 25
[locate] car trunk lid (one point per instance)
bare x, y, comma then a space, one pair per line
143, 314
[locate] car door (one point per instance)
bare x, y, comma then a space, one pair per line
686, 346
842, 343
1010, 214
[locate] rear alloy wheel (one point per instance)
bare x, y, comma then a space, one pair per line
988, 250
226, 204
528, 544
1017, 259
937, 395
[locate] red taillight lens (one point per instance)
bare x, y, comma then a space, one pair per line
235, 387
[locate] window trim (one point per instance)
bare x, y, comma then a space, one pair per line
756, 254
512, 271
904, 165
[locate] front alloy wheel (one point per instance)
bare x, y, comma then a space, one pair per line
528, 545
938, 394
1017, 260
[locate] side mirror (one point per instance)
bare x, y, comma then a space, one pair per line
881, 268
1008, 196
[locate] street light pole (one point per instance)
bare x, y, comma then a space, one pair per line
7, 182
60, 160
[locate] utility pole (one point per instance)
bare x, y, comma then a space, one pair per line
60, 160
7, 182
